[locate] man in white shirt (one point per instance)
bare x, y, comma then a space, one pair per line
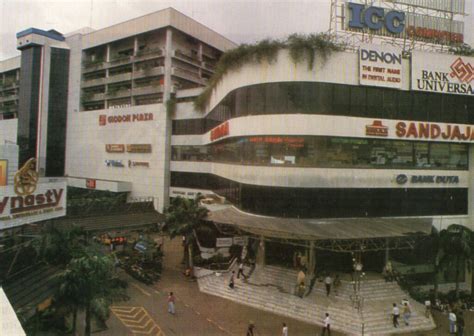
327, 325
284, 330
452, 322
396, 315
328, 282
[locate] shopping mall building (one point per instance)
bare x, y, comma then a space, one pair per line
362, 151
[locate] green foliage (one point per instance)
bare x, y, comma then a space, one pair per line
89, 284
301, 48
59, 246
463, 50
183, 216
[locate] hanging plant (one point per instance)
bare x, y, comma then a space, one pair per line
301, 48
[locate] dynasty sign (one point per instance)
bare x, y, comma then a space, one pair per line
48, 201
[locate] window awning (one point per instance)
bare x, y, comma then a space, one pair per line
322, 229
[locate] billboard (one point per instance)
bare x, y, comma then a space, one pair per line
405, 25
443, 73
3, 172
46, 202
380, 66
450, 6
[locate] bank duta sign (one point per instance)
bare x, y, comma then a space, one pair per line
29, 201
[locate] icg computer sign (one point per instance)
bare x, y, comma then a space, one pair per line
375, 18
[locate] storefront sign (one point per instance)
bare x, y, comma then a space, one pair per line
220, 131
90, 183
375, 18
48, 201
132, 164
290, 141
115, 148
444, 73
241, 240
125, 118
376, 129
423, 130
224, 242
139, 148
114, 163
426, 179
380, 66
3, 172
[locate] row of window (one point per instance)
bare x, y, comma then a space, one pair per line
332, 99
327, 203
329, 152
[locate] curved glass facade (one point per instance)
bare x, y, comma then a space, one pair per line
329, 152
330, 202
332, 99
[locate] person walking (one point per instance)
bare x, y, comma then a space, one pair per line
460, 324
250, 329
328, 282
231, 280
327, 325
395, 315
284, 330
171, 302
406, 313
241, 271
452, 322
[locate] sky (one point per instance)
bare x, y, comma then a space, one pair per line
239, 20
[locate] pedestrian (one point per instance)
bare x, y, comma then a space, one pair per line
241, 271
284, 330
231, 280
452, 322
395, 315
406, 313
250, 329
327, 325
460, 324
427, 308
328, 282
171, 301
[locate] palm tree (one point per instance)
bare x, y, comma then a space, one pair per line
60, 245
182, 217
456, 243
89, 284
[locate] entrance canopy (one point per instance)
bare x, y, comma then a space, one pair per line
340, 234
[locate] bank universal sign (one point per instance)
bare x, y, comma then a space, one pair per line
442, 73
46, 202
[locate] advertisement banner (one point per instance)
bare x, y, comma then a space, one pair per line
442, 73
48, 201
3, 172
380, 66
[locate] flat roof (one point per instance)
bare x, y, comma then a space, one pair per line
322, 228
52, 34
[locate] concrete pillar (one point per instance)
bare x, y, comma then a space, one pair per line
470, 195
312, 259
107, 53
261, 252
135, 45
387, 251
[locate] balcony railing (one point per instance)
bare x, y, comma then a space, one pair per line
187, 57
119, 77
147, 54
187, 74
93, 82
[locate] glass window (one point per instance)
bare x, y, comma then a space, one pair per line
358, 101
374, 101
341, 100
390, 103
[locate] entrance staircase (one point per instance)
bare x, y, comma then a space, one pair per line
272, 288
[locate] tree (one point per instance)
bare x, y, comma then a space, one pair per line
89, 284
182, 217
456, 243
59, 246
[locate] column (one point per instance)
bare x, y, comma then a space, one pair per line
312, 259
261, 252
387, 251
470, 193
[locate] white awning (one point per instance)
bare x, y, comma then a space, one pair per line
9, 323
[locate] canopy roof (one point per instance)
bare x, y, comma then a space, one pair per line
322, 229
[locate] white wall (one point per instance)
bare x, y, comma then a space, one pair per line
86, 153
8, 131
9, 152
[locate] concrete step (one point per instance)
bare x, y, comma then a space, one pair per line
270, 289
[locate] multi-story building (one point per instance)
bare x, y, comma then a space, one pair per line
377, 137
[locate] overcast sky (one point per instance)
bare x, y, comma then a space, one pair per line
238, 20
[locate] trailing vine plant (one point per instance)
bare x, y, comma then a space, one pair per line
301, 48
